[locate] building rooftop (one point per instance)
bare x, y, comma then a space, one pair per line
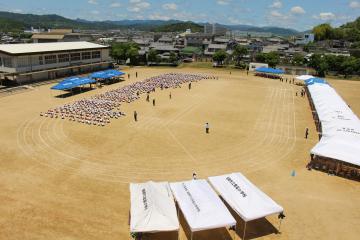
30, 48
217, 46
47, 36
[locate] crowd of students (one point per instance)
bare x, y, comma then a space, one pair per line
101, 108
267, 75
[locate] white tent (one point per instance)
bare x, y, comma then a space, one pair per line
304, 77
152, 208
201, 206
340, 126
244, 197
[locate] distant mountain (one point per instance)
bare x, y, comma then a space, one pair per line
273, 30
179, 27
144, 22
17, 22
20, 22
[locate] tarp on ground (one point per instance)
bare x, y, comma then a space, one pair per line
72, 82
269, 70
304, 77
340, 126
244, 197
201, 206
107, 74
315, 80
152, 208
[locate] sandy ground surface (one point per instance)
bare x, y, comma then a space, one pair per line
63, 180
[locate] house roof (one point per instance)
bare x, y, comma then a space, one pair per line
33, 48
217, 46
48, 36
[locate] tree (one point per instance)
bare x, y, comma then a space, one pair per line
318, 62
260, 57
132, 54
238, 54
173, 57
273, 59
323, 32
309, 46
298, 59
152, 56
220, 56
124, 51
349, 66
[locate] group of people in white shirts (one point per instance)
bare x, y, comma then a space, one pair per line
100, 109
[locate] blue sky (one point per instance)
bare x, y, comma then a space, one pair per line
297, 14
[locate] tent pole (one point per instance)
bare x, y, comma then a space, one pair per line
279, 225
244, 232
235, 232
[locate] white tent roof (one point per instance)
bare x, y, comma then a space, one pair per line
201, 206
28, 48
304, 77
152, 208
244, 197
340, 126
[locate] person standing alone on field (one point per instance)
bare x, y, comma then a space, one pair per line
154, 102
207, 128
136, 74
306, 133
135, 116
189, 85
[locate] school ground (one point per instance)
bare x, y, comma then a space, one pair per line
65, 180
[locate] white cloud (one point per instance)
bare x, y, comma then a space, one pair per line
134, 9
297, 10
354, 4
276, 14
325, 16
157, 16
138, 6
94, 2
276, 4
277, 18
115, 5
169, 6
223, 2
95, 12
233, 20
18, 10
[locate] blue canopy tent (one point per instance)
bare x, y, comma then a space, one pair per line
72, 82
315, 80
107, 74
269, 70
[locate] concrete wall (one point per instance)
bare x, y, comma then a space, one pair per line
54, 74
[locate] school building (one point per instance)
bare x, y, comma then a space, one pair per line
42, 61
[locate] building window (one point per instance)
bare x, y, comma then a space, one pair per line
22, 62
86, 55
0, 61
50, 59
75, 56
7, 62
96, 54
41, 62
63, 58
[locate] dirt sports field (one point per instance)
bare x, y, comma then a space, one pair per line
65, 180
